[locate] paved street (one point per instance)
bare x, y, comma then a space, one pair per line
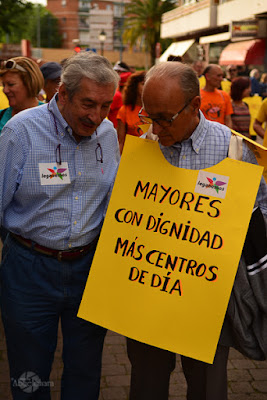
247, 379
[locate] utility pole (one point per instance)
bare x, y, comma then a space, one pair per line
38, 32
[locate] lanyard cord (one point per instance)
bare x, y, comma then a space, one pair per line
58, 152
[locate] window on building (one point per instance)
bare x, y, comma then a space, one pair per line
83, 22
118, 10
64, 3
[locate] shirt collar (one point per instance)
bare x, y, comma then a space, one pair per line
197, 137
62, 125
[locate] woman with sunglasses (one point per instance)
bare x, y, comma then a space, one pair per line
22, 80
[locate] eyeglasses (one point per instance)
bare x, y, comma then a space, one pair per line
11, 64
164, 123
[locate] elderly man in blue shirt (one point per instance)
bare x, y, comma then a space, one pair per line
187, 140
58, 164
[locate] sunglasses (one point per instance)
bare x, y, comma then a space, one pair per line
11, 64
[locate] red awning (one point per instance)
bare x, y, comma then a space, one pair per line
244, 53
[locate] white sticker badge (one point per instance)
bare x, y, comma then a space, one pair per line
212, 184
54, 174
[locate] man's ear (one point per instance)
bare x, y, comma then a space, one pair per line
196, 103
62, 94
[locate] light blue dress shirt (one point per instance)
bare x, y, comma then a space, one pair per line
207, 146
60, 216
8, 115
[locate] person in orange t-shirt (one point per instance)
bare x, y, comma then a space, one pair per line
215, 104
128, 119
117, 99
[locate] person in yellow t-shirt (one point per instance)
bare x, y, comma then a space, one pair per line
3, 99
198, 67
260, 120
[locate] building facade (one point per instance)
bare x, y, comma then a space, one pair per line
81, 22
206, 27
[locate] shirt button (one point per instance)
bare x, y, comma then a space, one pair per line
77, 148
69, 245
171, 153
184, 157
75, 222
62, 134
197, 149
76, 198
79, 173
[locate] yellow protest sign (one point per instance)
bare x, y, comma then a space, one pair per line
259, 151
226, 86
202, 81
169, 249
254, 104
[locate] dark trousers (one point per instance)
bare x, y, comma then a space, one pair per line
151, 371
36, 292
207, 381
152, 367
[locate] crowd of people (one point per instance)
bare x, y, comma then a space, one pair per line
225, 94
51, 225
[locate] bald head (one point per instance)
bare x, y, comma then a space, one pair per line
214, 76
171, 100
179, 73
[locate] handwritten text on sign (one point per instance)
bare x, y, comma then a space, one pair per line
169, 249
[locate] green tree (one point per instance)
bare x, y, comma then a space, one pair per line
143, 21
10, 10
47, 24
35, 23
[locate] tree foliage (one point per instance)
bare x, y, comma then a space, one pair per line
143, 22
10, 10
30, 21
49, 29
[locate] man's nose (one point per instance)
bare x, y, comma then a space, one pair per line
95, 115
156, 128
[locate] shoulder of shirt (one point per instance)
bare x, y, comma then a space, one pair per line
30, 113
106, 124
20, 121
226, 94
106, 127
221, 130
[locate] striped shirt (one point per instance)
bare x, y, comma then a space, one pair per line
58, 216
241, 118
